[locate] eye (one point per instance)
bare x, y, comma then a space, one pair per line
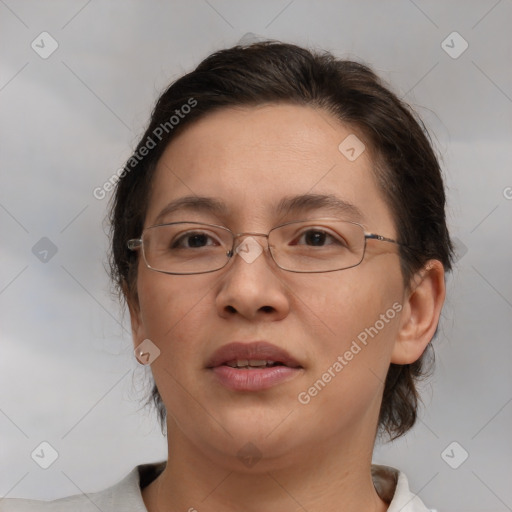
320, 238
192, 240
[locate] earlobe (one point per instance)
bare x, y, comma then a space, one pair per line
420, 315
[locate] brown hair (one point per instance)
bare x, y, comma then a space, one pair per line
406, 167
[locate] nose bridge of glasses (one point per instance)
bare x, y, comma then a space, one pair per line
244, 238
249, 249
248, 233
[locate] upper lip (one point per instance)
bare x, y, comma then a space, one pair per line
256, 350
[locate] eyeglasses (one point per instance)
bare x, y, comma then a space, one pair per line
318, 245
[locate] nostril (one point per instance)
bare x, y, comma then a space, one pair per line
267, 309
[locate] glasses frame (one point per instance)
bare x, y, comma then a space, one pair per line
137, 243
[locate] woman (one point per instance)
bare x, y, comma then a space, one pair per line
279, 236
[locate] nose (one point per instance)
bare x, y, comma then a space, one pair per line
252, 287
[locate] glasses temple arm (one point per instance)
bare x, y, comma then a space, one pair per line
373, 236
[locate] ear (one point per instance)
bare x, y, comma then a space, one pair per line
420, 314
138, 331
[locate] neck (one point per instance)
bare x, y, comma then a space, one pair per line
321, 478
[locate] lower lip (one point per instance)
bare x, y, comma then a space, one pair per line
254, 380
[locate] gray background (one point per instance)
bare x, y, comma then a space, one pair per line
68, 122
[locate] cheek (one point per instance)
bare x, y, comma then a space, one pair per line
352, 322
359, 305
176, 319
173, 308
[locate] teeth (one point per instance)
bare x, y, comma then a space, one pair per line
257, 362
249, 363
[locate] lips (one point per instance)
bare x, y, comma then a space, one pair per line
254, 366
238, 354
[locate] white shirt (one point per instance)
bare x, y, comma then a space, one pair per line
391, 485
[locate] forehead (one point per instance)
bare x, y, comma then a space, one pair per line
254, 158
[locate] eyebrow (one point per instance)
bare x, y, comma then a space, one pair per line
297, 204
192, 204
328, 202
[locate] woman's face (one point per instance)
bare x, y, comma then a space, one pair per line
251, 159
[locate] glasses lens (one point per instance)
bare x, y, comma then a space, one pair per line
317, 245
186, 247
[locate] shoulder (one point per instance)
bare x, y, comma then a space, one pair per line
393, 487
79, 503
125, 495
